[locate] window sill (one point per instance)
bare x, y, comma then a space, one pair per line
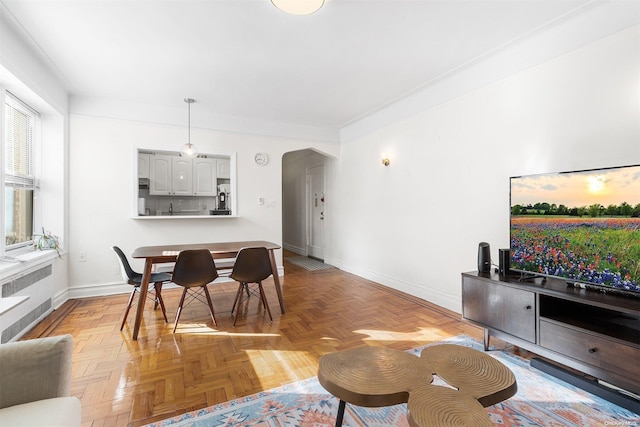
155, 217
10, 266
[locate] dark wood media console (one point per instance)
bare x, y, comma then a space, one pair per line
592, 332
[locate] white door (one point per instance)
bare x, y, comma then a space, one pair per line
315, 218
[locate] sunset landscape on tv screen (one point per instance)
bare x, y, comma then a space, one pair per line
583, 226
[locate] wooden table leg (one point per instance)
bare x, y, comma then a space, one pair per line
276, 279
486, 339
144, 287
340, 415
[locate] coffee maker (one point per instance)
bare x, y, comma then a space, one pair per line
222, 201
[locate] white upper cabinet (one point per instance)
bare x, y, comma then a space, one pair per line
204, 176
181, 176
224, 169
160, 175
143, 165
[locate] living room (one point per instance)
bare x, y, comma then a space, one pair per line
559, 96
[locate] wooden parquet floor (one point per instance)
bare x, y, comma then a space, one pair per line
122, 382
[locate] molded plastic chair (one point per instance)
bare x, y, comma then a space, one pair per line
194, 269
252, 265
135, 279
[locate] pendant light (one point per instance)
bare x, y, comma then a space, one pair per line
298, 7
189, 150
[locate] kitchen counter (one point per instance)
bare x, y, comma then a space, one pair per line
183, 216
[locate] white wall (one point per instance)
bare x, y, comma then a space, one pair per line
416, 224
101, 177
27, 77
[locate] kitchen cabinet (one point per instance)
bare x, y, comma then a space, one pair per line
181, 176
160, 175
224, 169
205, 177
170, 176
143, 165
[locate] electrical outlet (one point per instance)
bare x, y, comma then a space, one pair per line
82, 257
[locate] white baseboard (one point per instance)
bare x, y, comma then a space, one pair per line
447, 301
104, 289
295, 249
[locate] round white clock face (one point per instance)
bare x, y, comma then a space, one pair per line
261, 159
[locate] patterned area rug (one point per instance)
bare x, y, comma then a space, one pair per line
541, 400
308, 263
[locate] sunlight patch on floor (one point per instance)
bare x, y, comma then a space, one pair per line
416, 336
295, 363
203, 329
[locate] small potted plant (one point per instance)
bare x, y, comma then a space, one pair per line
46, 240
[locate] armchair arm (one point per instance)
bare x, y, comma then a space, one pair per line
35, 369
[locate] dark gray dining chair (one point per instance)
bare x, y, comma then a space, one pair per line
194, 270
252, 265
134, 279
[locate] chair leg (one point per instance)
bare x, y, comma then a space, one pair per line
184, 293
235, 301
264, 300
159, 300
238, 301
126, 311
206, 293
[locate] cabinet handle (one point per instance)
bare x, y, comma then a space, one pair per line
592, 350
528, 307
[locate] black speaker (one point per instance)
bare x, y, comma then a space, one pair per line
504, 259
484, 258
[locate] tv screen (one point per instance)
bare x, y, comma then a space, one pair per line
581, 226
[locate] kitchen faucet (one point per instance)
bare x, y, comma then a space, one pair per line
170, 208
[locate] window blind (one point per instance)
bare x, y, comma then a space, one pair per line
19, 130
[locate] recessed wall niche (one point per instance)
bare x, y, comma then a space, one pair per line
169, 185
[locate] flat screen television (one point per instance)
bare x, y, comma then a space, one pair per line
580, 226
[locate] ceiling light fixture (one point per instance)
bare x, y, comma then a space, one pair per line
298, 7
189, 150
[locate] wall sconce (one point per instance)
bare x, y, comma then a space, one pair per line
385, 159
298, 7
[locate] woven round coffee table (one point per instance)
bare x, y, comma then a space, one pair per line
378, 376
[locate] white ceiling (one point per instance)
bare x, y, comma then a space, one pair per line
246, 59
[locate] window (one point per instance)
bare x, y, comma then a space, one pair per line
19, 179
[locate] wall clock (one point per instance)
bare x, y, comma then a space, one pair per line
261, 159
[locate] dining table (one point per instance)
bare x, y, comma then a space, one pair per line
169, 253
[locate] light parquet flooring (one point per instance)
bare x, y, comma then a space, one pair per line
122, 382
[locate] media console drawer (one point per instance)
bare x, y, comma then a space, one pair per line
595, 350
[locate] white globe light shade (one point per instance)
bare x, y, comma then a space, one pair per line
189, 150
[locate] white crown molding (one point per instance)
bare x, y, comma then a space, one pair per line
202, 119
591, 23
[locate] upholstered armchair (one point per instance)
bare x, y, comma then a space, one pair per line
35, 383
